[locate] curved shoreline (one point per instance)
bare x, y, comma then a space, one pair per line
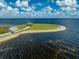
62, 28
11, 36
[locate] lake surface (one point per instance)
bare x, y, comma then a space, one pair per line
32, 46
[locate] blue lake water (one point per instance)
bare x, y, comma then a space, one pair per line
19, 47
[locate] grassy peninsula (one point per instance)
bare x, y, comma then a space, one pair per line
39, 26
17, 30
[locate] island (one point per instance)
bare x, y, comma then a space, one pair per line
17, 30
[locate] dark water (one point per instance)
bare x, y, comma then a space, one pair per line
33, 46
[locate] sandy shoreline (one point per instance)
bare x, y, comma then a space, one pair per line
62, 28
11, 36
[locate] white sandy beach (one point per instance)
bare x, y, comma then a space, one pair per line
9, 36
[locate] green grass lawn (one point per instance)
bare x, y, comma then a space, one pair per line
3, 29
22, 26
44, 27
39, 26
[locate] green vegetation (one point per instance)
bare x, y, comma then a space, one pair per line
44, 27
3, 29
39, 26
21, 26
